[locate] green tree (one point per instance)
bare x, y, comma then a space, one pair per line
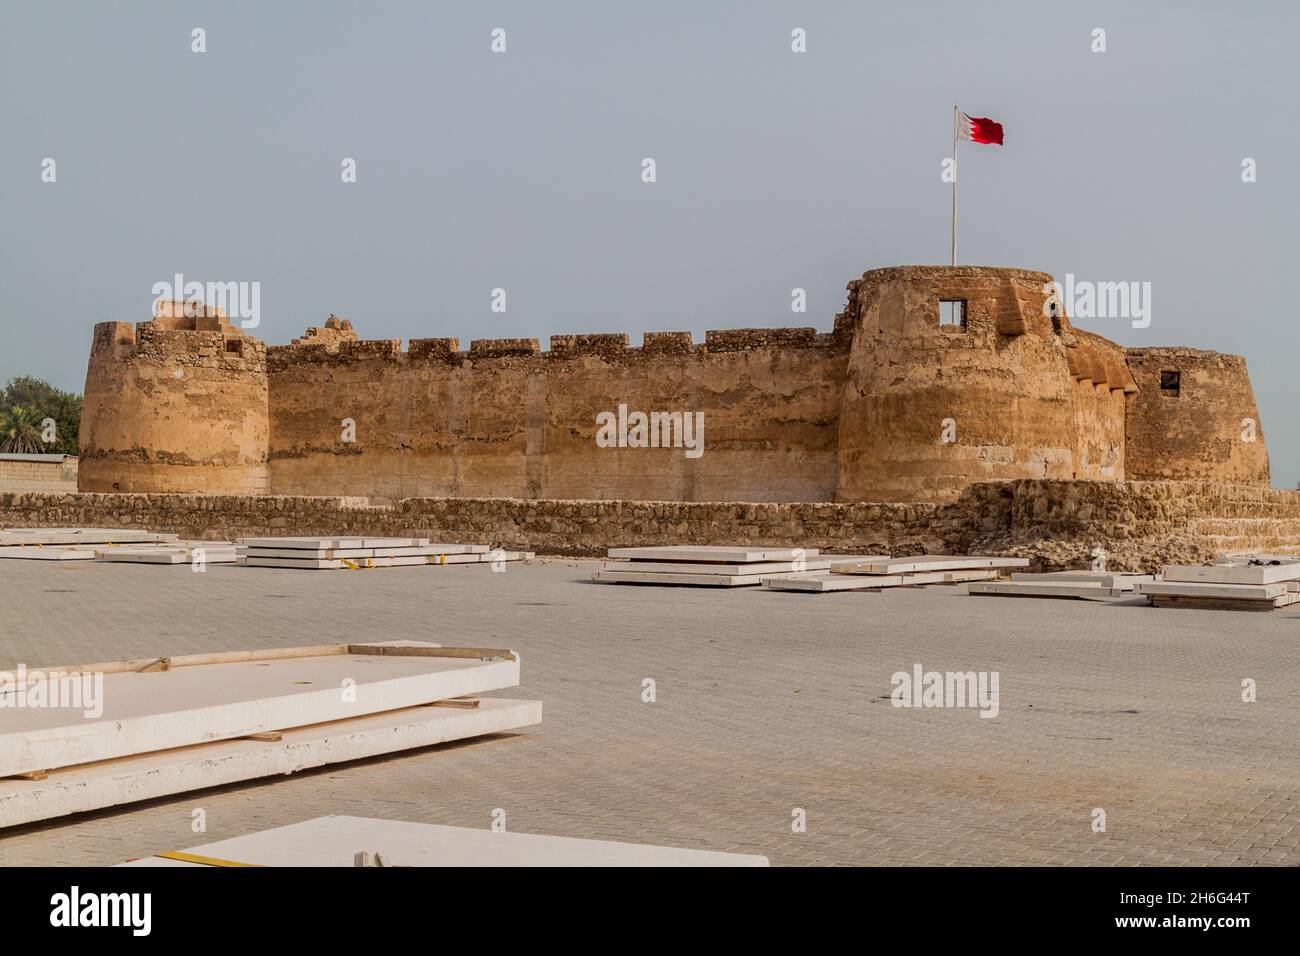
25, 404
20, 431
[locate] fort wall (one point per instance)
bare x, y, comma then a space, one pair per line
894, 404
506, 419
1101, 387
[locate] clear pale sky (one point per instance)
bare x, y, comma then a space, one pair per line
522, 170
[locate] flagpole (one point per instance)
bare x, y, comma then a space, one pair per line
955, 112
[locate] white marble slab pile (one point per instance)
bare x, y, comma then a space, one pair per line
706, 565
360, 553
137, 730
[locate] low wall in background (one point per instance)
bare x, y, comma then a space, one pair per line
1140, 525
43, 473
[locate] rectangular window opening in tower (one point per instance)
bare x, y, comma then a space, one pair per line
1169, 384
952, 315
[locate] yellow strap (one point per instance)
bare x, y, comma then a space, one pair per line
202, 860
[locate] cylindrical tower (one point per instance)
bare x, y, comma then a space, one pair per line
178, 404
956, 375
1194, 418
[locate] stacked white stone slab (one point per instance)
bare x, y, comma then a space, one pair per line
361, 841
1246, 583
1080, 585
875, 572
182, 552
169, 725
706, 566
364, 552
73, 544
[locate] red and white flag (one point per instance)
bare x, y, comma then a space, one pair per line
978, 129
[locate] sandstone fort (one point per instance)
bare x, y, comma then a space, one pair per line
892, 405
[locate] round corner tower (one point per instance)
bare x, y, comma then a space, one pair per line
956, 375
176, 404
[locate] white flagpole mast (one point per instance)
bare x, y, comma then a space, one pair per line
955, 113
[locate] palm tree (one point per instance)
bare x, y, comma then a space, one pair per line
20, 432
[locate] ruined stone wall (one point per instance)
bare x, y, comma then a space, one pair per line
1057, 523
1144, 524
174, 408
506, 419
1200, 429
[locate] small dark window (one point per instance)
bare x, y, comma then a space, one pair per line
952, 314
235, 346
1169, 383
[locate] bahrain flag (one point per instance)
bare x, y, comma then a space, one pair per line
978, 129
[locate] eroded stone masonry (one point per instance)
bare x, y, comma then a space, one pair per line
893, 405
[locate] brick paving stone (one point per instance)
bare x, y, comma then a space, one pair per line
766, 701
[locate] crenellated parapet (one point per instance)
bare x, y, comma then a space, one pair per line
315, 347
602, 345
435, 350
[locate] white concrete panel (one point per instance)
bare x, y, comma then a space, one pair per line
930, 562
318, 544
1240, 592
838, 559
47, 553
1226, 574
80, 536
251, 560
161, 709
725, 555
701, 579
700, 567
816, 583
863, 582
336, 841
148, 776
1105, 579
1066, 589
326, 554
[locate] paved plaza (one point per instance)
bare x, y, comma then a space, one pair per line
764, 702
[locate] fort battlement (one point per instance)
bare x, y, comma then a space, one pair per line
893, 404
311, 348
154, 342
